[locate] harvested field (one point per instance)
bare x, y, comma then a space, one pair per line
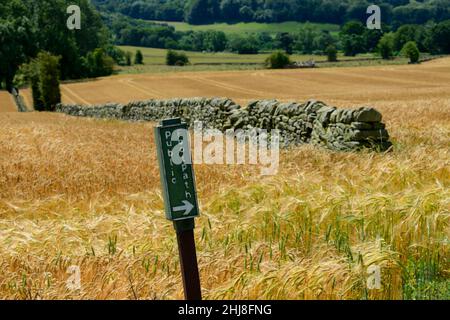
86, 192
342, 86
6, 102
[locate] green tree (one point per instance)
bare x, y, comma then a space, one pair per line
138, 57
31, 73
285, 41
371, 39
352, 44
411, 51
27, 27
331, 52
215, 41
17, 40
386, 46
174, 58
49, 80
248, 45
305, 39
43, 75
352, 38
440, 37
323, 40
98, 64
128, 58
403, 35
278, 60
202, 11
353, 27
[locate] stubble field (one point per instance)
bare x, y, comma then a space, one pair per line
86, 193
6, 102
342, 86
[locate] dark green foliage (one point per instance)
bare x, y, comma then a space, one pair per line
278, 60
174, 58
138, 57
396, 12
31, 72
27, 27
215, 41
352, 38
285, 41
440, 37
352, 45
98, 64
128, 57
386, 46
17, 40
247, 45
309, 40
403, 35
43, 75
353, 28
49, 80
411, 51
331, 52
118, 55
371, 39
356, 38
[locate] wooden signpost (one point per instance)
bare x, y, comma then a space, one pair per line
180, 197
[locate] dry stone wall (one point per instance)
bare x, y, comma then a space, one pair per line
311, 122
214, 113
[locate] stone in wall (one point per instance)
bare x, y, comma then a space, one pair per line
311, 122
345, 130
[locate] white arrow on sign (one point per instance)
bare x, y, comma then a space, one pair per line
187, 208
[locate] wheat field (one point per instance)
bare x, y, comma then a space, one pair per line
86, 193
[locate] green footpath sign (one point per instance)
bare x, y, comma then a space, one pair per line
177, 174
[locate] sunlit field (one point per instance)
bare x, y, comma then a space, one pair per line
6, 102
253, 27
154, 56
345, 87
155, 61
86, 192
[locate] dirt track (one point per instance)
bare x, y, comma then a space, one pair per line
340, 86
6, 102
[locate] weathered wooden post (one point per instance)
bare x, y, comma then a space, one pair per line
180, 197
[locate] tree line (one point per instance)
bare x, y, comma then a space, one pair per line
30, 27
354, 38
394, 12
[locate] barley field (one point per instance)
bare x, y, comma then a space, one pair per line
6, 102
86, 193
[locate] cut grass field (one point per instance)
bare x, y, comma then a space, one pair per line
254, 27
155, 60
158, 56
87, 193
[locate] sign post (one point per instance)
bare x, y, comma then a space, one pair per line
180, 197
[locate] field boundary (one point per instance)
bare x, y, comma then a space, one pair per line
312, 122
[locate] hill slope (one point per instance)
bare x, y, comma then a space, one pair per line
326, 11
